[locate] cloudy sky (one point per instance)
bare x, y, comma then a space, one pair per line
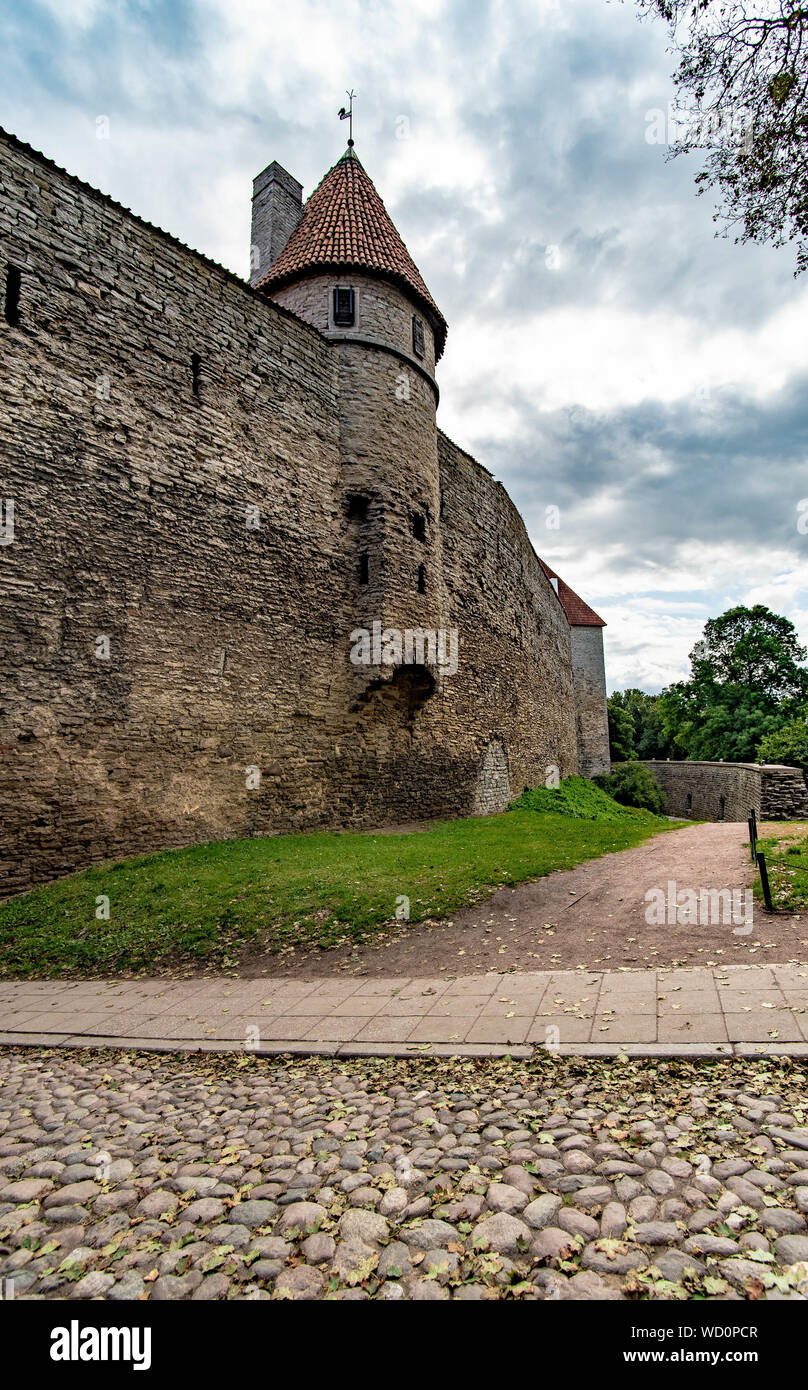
607, 355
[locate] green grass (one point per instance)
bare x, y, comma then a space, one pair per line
787, 864
212, 903
576, 797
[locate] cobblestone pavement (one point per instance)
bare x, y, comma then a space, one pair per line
214, 1177
714, 1009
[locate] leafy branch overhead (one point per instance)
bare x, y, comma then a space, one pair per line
742, 81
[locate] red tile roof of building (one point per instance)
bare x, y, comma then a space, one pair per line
578, 613
345, 226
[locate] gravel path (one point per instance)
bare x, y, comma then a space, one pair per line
593, 917
211, 1178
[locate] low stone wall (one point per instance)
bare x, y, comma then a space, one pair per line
729, 791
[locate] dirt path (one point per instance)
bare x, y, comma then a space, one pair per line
592, 916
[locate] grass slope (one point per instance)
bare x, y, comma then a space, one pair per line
787, 863
207, 903
576, 797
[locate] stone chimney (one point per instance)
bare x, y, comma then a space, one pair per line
276, 209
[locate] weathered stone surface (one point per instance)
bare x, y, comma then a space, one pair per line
578, 1223
542, 1211
615, 1258
26, 1190
301, 1216
708, 1244
252, 1213
613, 1220
270, 1122
368, 1226
774, 792
791, 1249
274, 416
300, 1283
502, 1233
553, 1243
502, 1197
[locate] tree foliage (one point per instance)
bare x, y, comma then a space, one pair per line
632, 785
747, 683
635, 726
788, 744
742, 81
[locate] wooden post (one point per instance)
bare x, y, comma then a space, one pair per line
752, 837
764, 879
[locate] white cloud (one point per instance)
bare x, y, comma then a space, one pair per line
526, 129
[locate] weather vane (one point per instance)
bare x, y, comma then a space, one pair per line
348, 116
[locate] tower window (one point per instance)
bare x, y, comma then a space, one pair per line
422, 579
417, 336
196, 373
364, 570
11, 303
689, 802
343, 306
358, 507
419, 526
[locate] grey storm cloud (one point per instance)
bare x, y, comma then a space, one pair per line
733, 470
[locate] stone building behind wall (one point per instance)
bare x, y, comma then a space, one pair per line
216, 486
589, 676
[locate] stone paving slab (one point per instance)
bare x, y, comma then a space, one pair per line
720, 1009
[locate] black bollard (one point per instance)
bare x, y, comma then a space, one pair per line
764, 881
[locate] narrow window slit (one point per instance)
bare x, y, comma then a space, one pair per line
422, 579
196, 373
344, 311
417, 336
364, 569
11, 301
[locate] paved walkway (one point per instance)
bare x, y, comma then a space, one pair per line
703, 1011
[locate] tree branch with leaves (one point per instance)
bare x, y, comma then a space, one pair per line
742, 103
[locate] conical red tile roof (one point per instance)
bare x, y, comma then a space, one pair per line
578, 613
345, 226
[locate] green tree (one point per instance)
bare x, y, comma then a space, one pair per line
635, 726
753, 648
742, 79
633, 785
788, 744
621, 729
745, 680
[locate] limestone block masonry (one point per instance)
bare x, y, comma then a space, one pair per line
729, 791
196, 475
590, 700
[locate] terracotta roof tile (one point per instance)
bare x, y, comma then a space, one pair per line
578, 613
345, 226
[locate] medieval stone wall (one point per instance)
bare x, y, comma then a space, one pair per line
181, 586
590, 700
516, 685
729, 791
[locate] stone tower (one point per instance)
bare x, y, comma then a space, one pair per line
345, 269
589, 672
